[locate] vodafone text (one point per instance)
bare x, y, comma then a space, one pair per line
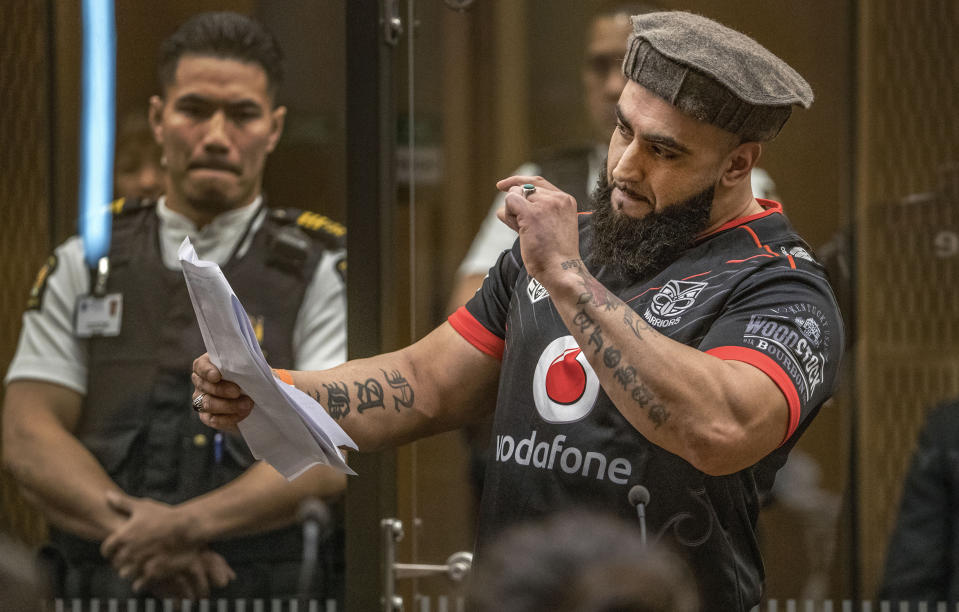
552, 455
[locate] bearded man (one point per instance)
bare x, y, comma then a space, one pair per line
681, 337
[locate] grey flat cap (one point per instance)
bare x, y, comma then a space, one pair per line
714, 73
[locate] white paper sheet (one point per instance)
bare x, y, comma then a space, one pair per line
287, 428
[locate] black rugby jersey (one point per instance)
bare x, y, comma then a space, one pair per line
750, 291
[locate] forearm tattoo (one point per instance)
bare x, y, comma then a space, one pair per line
338, 404
366, 394
612, 359
593, 291
399, 384
635, 324
370, 394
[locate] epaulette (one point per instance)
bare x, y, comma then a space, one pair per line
315, 225
122, 206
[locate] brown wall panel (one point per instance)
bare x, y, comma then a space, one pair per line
24, 198
907, 198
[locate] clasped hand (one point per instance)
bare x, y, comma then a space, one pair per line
152, 549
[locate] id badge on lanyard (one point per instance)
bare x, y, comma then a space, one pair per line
99, 313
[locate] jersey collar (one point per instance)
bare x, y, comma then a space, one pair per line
770, 207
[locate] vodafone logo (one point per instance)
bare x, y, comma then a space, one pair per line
564, 384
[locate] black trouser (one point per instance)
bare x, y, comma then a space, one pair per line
266, 580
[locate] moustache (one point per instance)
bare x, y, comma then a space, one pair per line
213, 164
631, 193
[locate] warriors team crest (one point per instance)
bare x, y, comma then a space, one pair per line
565, 386
536, 291
676, 297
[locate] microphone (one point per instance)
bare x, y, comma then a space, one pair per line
315, 517
639, 497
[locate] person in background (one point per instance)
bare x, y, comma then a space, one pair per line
680, 336
574, 168
922, 563
138, 167
141, 496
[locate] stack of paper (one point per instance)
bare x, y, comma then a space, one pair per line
287, 428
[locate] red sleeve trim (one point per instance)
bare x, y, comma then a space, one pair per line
773, 370
473, 331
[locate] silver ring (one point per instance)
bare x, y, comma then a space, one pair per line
198, 402
528, 189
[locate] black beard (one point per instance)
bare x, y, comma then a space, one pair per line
210, 202
639, 248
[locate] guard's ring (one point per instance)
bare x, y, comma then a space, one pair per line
528, 189
198, 402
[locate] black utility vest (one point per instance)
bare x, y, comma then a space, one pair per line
137, 418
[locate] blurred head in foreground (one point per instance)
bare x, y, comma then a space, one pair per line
580, 562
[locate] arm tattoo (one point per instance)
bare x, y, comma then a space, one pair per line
625, 375
583, 321
398, 383
656, 412
611, 357
370, 394
572, 263
635, 324
596, 338
338, 402
595, 294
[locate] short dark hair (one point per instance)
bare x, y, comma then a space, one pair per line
224, 35
580, 561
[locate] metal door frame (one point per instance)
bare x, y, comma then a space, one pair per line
371, 199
